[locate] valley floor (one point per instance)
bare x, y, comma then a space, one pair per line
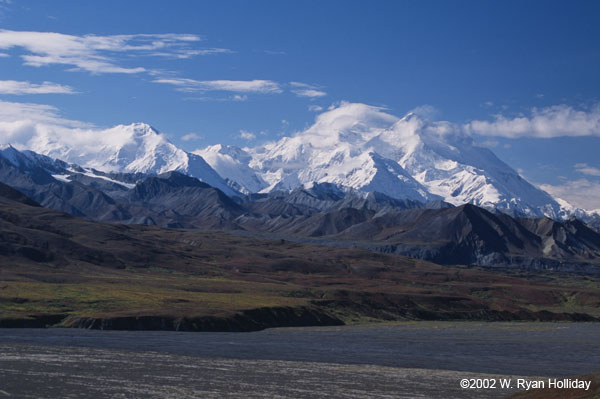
399, 360
51, 372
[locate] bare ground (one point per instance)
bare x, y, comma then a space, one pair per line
59, 372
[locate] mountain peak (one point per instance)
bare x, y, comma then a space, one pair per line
177, 179
140, 128
410, 116
7, 147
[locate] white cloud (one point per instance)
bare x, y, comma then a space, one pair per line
247, 135
583, 193
274, 52
192, 137
425, 111
11, 112
239, 86
586, 169
315, 108
23, 87
309, 93
97, 54
306, 90
548, 122
23, 123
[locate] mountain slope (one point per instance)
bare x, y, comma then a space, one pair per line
177, 200
473, 235
232, 162
45, 180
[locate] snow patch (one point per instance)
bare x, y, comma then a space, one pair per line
63, 178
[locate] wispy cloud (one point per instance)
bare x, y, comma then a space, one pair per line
237, 86
548, 122
23, 87
274, 52
306, 90
234, 98
586, 169
189, 53
246, 135
315, 108
98, 54
489, 143
192, 137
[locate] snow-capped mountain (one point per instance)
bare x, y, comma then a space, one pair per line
135, 148
232, 162
364, 148
351, 146
30, 159
336, 150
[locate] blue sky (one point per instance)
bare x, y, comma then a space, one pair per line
522, 76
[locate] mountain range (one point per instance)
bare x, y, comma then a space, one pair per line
355, 147
323, 213
358, 177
